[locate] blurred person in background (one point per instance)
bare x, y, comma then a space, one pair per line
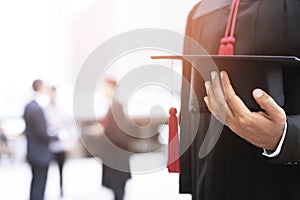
56, 125
39, 155
117, 140
4, 150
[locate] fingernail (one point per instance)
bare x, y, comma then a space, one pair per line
206, 100
257, 93
213, 75
206, 86
222, 75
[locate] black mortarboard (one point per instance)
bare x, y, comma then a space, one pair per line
246, 72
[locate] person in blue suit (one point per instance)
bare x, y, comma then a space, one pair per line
39, 155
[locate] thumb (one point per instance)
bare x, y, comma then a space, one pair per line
267, 103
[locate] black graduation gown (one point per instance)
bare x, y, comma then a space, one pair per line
235, 169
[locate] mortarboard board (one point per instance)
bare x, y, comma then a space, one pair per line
246, 72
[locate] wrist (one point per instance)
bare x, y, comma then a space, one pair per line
277, 150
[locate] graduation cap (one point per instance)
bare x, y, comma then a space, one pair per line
246, 72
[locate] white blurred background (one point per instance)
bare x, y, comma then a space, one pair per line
50, 40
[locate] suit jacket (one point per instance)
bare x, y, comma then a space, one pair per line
235, 169
38, 152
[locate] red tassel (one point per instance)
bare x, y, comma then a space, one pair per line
222, 47
173, 149
230, 46
227, 42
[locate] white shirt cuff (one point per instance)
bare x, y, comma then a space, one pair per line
278, 149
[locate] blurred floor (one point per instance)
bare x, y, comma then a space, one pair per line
83, 181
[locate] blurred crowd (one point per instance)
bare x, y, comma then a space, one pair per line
49, 137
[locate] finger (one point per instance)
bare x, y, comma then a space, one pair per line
234, 102
212, 103
217, 89
213, 111
220, 97
220, 118
267, 103
221, 112
206, 100
211, 96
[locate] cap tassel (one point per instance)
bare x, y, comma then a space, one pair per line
173, 146
230, 46
227, 43
222, 47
